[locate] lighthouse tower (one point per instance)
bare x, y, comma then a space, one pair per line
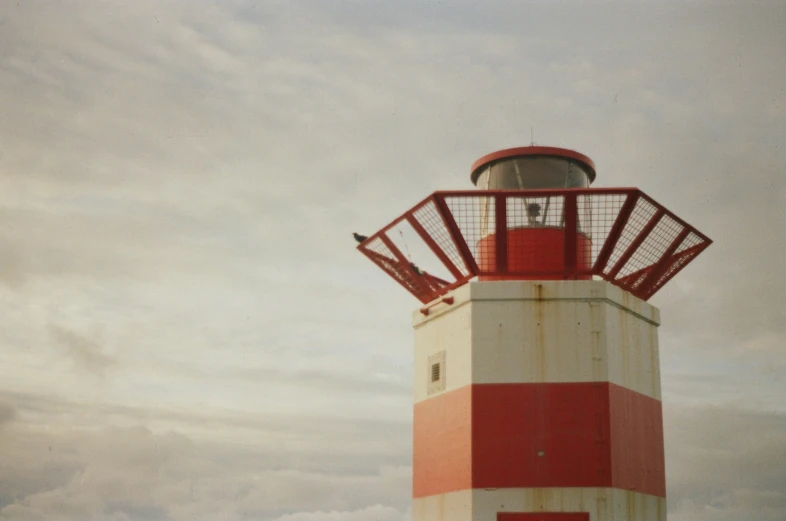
536, 377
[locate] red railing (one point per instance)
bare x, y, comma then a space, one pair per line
620, 235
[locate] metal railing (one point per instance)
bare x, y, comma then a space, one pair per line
618, 234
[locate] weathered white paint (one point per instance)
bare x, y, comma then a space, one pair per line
540, 331
453, 506
603, 504
451, 332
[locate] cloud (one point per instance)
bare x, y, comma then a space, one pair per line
133, 473
376, 512
85, 353
7, 413
305, 442
721, 463
725, 464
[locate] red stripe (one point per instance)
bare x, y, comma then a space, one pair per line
540, 435
442, 449
636, 428
592, 434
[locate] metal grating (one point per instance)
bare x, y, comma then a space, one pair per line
620, 235
474, 216
597, 218
642, 214
433, 224
654, 246
690, 241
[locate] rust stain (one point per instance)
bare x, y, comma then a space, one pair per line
540, 343
602, 505
556, 324
537, 499
631, 507
597, 357
636, 354
625, 347
595, 342
654, 363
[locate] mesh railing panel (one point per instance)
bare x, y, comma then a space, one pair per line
654, 246
690, 241
597, 215
375, 245
639, 217
688, 250
400, 274
475, 217
622, 236
431, 220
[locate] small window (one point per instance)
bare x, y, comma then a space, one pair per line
435, 370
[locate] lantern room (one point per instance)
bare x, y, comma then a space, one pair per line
531, 168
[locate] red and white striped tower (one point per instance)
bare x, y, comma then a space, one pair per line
537, 382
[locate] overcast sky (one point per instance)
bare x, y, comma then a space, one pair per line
186, 329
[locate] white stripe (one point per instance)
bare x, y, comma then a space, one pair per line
603, 504
545, 331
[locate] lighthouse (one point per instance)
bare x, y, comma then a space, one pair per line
537, 390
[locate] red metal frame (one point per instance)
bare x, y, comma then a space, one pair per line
444, 300
638, 269
500, 231
690, 253
659, 268
571, 228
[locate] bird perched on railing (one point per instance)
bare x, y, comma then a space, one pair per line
359, 238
